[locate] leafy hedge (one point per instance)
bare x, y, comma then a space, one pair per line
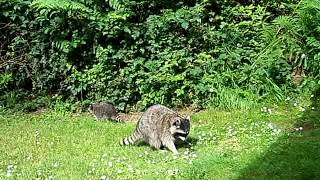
137, 53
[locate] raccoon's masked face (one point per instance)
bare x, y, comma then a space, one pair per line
180, 128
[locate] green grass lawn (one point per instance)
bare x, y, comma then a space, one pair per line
225, 145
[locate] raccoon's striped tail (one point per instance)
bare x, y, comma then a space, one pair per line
131, 139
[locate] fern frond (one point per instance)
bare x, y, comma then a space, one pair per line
65, 5
115, 4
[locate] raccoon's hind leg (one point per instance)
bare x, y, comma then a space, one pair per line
156, 143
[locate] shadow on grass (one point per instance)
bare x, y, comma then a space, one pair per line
295, 155
179, 144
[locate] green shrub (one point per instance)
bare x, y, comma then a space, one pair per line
138, 53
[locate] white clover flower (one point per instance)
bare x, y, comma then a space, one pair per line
110, 164
300, 128
265, 109
312, 108
302, 109
270, 126
269, 110
288, 99
8, 174
119, 171
295, 104
130, 168
175, 157
312, 95
104, 177
55, 164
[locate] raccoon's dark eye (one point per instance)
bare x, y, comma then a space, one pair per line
177, 123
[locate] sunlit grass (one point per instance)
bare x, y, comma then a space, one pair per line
225, 145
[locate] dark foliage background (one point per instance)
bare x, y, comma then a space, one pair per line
229, 54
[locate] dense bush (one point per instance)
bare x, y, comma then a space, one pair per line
202, 52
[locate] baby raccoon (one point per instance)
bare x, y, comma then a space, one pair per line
104, 111
160, 126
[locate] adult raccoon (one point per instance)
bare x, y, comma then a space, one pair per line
104, 111
160, 126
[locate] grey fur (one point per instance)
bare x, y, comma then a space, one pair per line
103, 111
160, 126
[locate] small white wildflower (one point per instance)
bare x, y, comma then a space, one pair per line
140, 155
157, 173
288, 99
300, 128
312, 108
302, 109
110, 164
175, 157
9, 174
190, 162
49, 177
55, 165
104, 177
312, 95
194, 155
211, 90
270, 126
297, 129
269, 110
130, 168
146, 152
295, 104
119, 171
